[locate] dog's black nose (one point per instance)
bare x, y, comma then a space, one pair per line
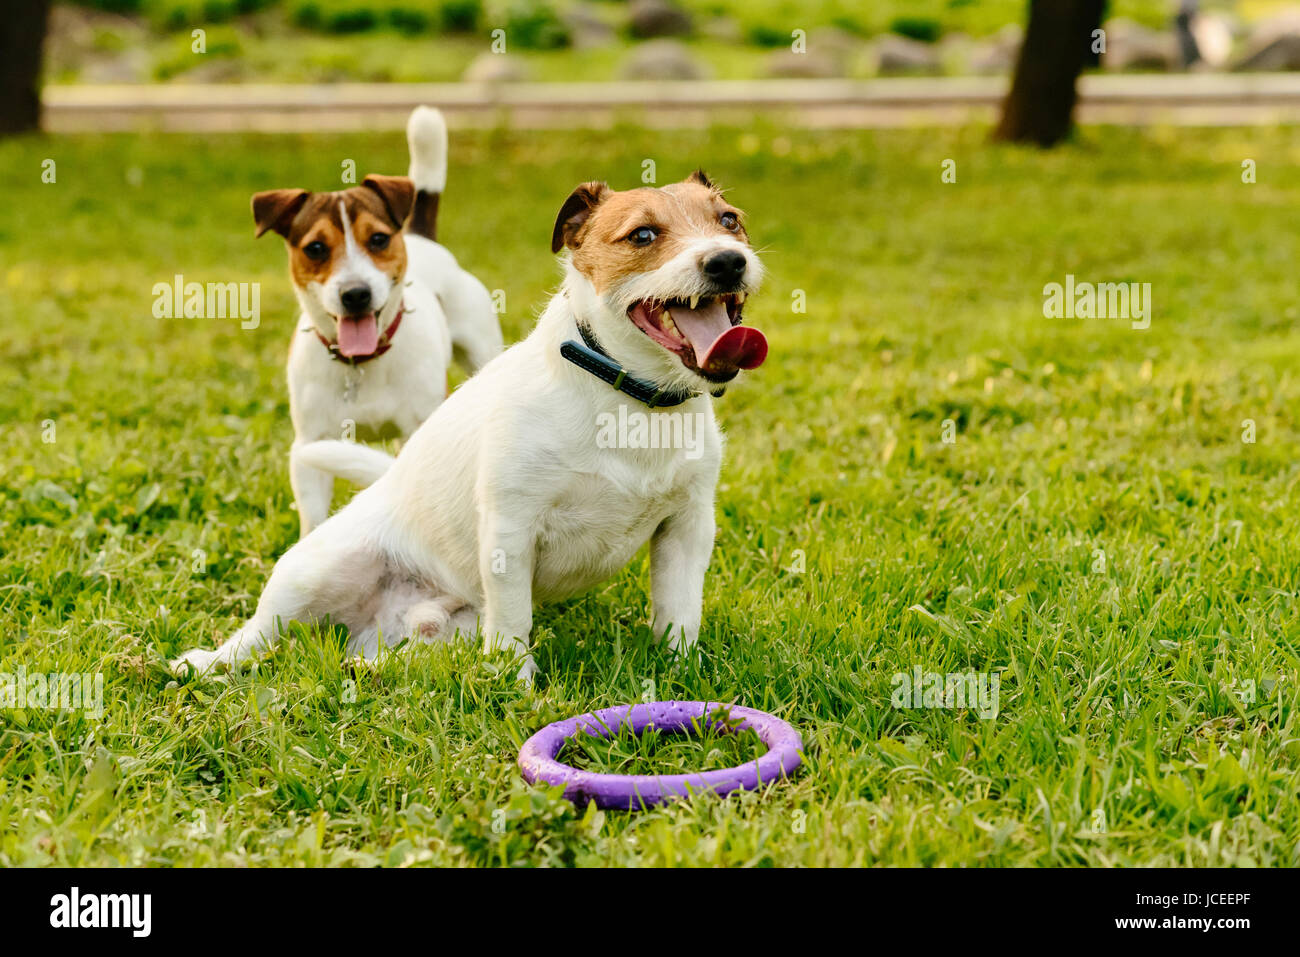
725, 268
355, 298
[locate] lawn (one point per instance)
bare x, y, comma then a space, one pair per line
436, 40
927, 473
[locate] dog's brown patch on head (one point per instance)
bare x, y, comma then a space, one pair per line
604, 228
276, 208
312, 225
574, 213
371, 221
397, 193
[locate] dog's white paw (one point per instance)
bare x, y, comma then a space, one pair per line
196, 661
527, 670
682, 645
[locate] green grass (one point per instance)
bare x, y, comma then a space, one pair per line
409, 40
754, 17
704, 749
1098, 535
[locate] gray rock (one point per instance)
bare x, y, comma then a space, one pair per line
587, 28
70, 26
1271, 44
833, 41
1131, 46
207, 70
129, 66
895, 54
1283, 23
997, 54
658, 18
86, 41
809, 65
826, 52
495, 68
1282, 53
723, 29
956, 41
661, 60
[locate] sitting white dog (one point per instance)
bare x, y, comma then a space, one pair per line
505, 496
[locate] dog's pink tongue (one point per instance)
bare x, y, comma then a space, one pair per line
358, 336
719, 346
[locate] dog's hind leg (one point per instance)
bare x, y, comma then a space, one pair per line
472, 320
240, 645
326, 576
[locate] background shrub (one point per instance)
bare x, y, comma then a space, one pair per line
535, 26
926, 29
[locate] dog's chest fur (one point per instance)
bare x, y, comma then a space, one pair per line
340, 396
598, 519
386, 397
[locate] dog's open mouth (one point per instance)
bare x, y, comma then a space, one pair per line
704, 332
358, 335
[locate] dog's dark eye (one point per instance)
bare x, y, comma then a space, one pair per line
729, 221
643, 236
316, 250
378, 241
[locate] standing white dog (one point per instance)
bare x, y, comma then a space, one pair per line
369, 277
508, 495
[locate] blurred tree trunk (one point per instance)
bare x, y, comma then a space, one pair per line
22, 36
1058, 42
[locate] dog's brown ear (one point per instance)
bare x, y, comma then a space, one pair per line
701, 177
574, 213
276, 208
397, 192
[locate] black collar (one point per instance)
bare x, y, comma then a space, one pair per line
598, 362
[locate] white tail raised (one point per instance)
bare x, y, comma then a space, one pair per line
426, 136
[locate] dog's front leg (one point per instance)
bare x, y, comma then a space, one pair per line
679, 557
312, 491
506, 568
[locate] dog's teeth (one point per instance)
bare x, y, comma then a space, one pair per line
740, 298
695, 301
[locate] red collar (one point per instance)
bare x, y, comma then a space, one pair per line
385, 343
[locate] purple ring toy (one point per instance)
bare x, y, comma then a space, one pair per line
636, 791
